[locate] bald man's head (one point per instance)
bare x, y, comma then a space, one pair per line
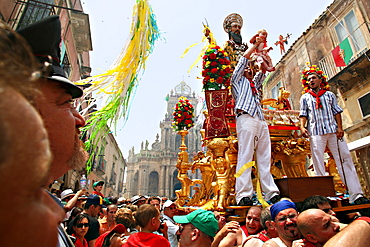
253, 220
316, 226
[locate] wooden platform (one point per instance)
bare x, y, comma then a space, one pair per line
340, 206
297, 189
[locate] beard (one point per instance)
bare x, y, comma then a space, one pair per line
79, 156
236, 37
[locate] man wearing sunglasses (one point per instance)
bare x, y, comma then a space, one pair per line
92, 208
169, 211
284, 215
197, 228
138, 200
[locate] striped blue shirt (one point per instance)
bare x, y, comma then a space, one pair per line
242, 91
320, 121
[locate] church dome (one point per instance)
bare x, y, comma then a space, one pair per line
183, 89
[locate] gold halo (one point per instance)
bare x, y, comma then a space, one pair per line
234, 17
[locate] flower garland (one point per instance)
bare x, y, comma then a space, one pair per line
183, 115
216, 68
316, 70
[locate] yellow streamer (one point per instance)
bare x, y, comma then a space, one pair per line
259, 194
119, 82
244, 167
210, 40
258, 185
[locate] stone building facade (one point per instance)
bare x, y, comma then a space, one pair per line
343, 21
109, 164
75, 45
152, 171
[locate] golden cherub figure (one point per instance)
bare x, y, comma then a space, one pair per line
281, 42
282, 103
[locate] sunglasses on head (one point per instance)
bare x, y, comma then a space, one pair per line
80, 225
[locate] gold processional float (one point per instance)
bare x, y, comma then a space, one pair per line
216, 189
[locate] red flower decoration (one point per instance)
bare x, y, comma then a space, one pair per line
183, 115
216, 69
313, 69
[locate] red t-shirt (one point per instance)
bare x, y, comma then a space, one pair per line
79, 244
145, 239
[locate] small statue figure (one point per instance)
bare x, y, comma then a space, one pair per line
235, 47
281, 42
202, 162
282, 103
261, 53
222, 186
146, 145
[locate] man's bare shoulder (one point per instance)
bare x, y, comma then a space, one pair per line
270, 243
253, 242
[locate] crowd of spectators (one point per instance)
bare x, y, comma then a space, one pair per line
156, 221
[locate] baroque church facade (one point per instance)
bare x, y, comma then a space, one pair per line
152, 171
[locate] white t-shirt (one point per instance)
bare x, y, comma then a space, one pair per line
172, 229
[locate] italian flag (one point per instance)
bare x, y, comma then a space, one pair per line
342, 53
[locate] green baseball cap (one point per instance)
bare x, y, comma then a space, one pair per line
98, 183
202, 219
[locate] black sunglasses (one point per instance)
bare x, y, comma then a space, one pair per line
80, 225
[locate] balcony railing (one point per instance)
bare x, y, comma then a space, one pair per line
327, 64
27, 12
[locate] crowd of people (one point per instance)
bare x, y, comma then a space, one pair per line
156, 221
39, 129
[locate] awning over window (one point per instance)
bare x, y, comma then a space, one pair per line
358, 144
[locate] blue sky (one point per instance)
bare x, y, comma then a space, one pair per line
180, 23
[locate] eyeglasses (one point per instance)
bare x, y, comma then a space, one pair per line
80, 225
284, 218
172, 208
141, 200
182, 228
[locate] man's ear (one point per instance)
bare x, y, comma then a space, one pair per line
311, 238
195, 234
152, 221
